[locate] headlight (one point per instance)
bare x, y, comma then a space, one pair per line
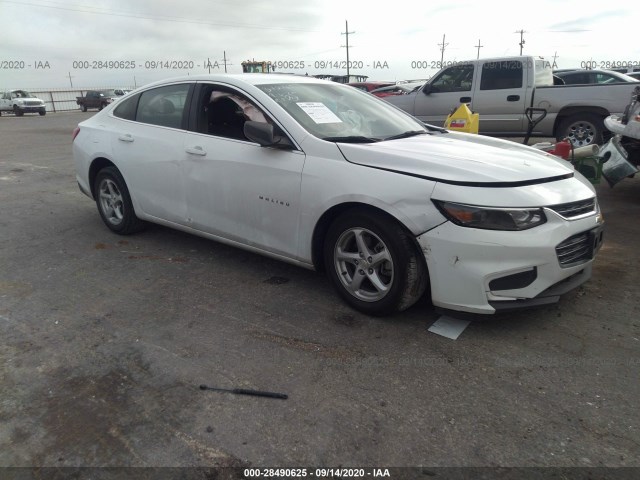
489, 218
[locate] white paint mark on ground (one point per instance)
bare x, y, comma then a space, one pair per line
449, 327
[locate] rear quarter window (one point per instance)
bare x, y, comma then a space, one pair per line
126, 108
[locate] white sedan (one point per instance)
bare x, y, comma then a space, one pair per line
327, 177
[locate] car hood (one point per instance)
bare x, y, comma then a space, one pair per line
460, 159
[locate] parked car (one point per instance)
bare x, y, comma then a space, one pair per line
587, 77
399, 89
501, 89
20, 102
635, 75
96, 99
328, 177
369, 86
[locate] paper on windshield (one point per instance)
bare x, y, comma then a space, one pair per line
319, 112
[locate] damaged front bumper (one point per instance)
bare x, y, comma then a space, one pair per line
487, 271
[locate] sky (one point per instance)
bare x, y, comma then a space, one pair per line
126, 43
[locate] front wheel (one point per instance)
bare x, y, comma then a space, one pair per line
17, 111
42, 113
114, 202
373, 263
582, 129
84, 108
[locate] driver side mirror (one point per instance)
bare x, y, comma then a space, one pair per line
427, 89
263, 134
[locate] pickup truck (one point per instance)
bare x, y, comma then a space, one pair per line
21, 102
501, 89
95, 99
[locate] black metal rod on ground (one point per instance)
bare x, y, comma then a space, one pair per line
244, 391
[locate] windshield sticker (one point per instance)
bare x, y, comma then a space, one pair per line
319, 112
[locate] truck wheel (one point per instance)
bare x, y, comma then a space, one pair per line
373, 264
17, 111
581, 129
83, 107
42, 114
114, 202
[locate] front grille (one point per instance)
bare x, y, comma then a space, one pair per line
32, 103
574, 250
575, 209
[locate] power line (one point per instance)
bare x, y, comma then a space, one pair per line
112, 13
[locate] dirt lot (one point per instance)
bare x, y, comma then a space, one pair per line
105, 340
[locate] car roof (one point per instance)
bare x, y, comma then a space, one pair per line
618, 75
584, 70
373, 82
245, 78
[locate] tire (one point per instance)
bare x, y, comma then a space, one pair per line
42, 114
102, 105
395, 275
84, 107
17, 111
114, 202
582, 129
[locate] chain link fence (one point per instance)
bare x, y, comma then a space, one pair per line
64, 100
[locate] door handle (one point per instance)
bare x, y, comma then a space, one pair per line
513, 98
197, 150
465, 99
126, 138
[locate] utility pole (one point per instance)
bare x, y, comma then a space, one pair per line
479, 47
70, 77
225, 61
347, 32
555, 65
442, 47
521, 32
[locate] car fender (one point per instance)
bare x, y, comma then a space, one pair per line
409, 203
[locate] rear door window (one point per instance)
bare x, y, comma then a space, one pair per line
163, 106
501, 75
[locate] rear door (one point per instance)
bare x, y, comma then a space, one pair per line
500, 96
148, 145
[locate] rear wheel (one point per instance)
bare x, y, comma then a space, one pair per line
373, 263
42, 113
582, 129
114, 202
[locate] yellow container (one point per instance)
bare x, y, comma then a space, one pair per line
463, 120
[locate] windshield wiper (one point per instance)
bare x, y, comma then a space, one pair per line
410, 133
352, 139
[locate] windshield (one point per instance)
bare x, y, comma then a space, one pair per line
342, 113
21, 94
